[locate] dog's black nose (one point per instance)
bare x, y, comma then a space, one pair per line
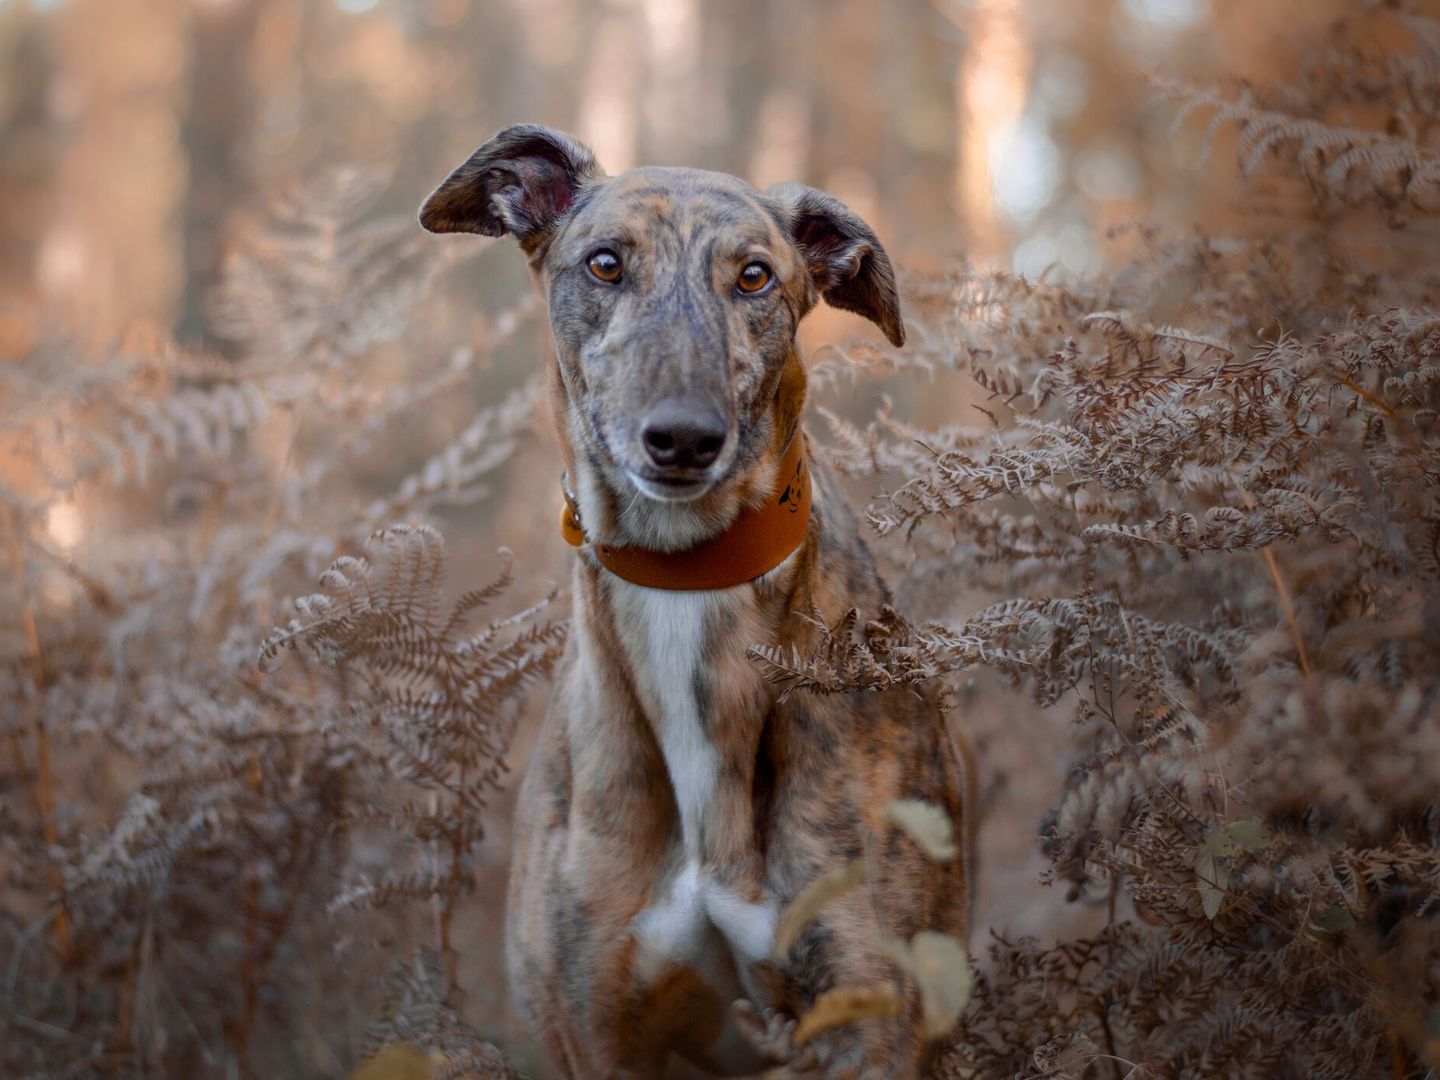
683, 434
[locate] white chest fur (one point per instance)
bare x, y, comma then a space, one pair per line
665, 633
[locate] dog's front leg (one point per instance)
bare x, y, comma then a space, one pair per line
620, 944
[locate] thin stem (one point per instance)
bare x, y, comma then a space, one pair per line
1382, 406
1289, 609
1285, 602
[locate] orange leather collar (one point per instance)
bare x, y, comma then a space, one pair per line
755, 543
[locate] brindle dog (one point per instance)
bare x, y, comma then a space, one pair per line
674, 805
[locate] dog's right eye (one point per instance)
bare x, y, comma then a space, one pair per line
605, 265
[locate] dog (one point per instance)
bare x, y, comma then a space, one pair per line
675, 804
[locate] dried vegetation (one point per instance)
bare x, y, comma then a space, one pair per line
1205, 488
1202, 490
194, 845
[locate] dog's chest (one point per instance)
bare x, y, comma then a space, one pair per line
686, 655
666, 636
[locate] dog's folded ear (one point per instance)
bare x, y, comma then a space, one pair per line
849, 267
520, 182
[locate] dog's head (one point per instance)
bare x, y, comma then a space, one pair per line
674, 297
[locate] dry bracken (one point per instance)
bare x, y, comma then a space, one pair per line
1207, 491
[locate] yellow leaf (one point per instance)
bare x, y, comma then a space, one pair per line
398, 1061
1251, 835
1218, 842
1333, 920
928, 825
845, 1004
813, 900
1212, 878
941, 969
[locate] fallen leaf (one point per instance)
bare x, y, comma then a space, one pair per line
845, 1004
926, 824
1212, 879
1249, 834
813, 899
1334, 920
941, 969
398, 1061
1218, 843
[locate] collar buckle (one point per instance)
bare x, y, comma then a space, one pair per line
570, 526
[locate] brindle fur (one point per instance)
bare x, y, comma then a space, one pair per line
674, 804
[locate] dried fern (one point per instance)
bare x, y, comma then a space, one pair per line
416, 1014
1202, 496
440, 695
192, 842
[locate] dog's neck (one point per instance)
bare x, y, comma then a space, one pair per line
677, 662
679, 659
753, 544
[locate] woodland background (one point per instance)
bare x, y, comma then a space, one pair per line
1209, 750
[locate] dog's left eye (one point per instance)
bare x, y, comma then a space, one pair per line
605, 265
753, 278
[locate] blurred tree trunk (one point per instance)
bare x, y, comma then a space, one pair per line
849, 147
218, 126
613, 71
991, 91
112, 252
26, 153
919, 69
779, 100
